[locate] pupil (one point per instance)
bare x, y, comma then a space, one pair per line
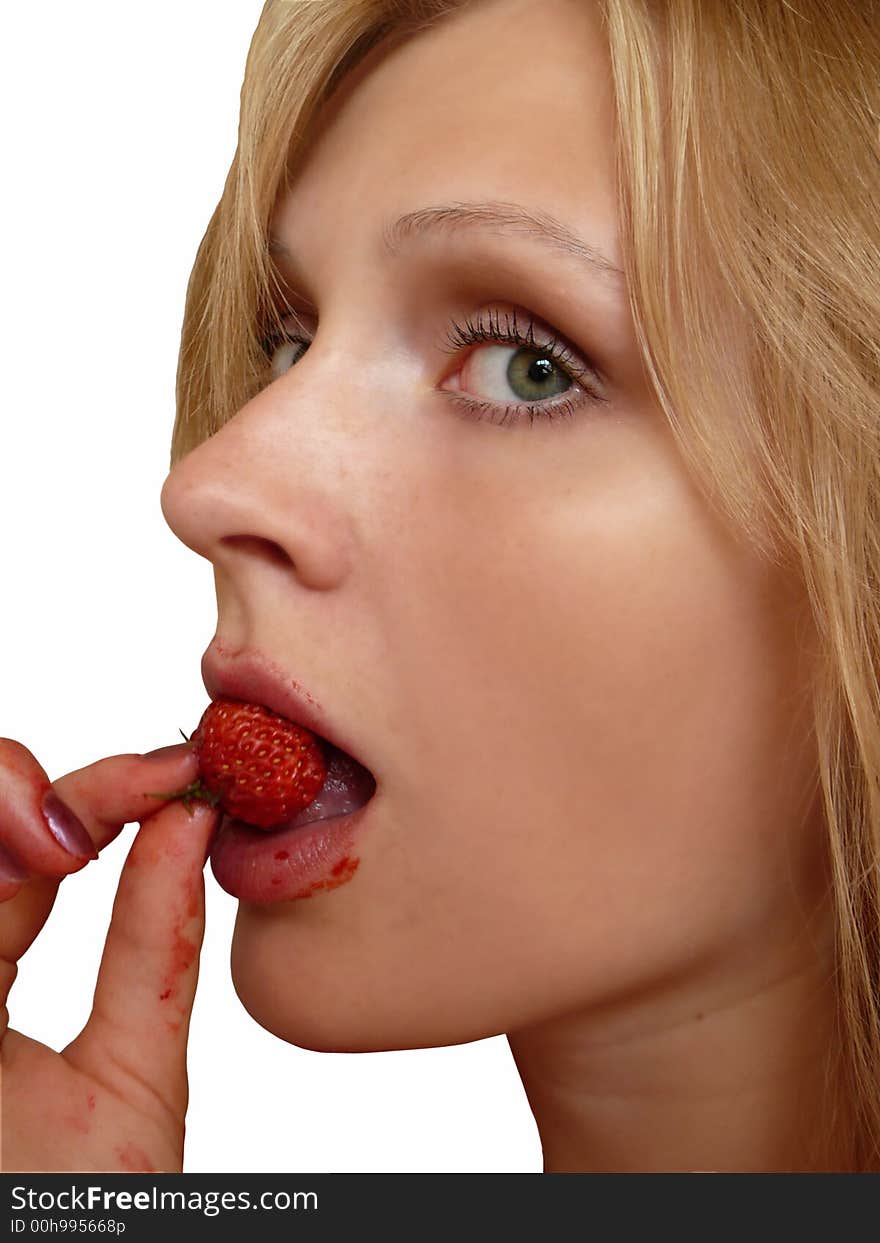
540, 370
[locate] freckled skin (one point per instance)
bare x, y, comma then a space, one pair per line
584, 699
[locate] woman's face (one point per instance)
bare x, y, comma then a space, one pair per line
582, 700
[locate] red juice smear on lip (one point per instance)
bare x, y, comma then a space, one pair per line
342, 872
321, 856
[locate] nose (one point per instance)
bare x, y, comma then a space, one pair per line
265, 490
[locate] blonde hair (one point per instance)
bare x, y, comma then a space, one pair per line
749, 167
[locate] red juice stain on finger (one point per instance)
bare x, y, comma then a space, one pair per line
83, 1124
193, 896
184, 953
175, 1024
132, 1158
182, 956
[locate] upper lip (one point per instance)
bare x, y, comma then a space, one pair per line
253, 678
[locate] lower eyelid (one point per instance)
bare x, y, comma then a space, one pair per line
527, 412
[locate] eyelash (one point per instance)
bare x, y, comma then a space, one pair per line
491, 329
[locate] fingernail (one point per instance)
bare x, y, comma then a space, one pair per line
11, 871
176, 751
66, 827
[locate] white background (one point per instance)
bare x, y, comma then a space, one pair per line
119, 125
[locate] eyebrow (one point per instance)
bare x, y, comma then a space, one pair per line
490, 216
495, 216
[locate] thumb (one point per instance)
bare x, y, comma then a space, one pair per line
135, 1039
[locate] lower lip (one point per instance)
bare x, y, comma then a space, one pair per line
279, 866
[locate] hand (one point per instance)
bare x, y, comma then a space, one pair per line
115, 1098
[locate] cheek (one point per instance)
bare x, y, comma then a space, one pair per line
615, 734
604, 648
604, 767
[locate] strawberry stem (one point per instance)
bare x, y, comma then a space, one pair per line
195, 792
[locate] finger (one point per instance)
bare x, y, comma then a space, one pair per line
40, 840
12, 873
54, 828
123, 789
135, 1039
27, 910
96, 801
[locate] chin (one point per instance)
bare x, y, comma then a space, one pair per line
303, 994
340, 999
304, 1031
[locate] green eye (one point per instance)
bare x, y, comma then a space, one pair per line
532, 375
515, 370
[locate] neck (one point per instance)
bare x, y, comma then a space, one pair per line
729, 1073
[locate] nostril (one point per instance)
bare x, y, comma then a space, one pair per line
309, 549
257, 546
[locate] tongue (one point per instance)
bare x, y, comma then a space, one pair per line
347, 787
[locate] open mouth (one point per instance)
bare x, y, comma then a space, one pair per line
311, 852
250, 682
347, 787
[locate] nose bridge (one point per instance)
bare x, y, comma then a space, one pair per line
281, 471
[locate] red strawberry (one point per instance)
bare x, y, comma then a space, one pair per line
258, 766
